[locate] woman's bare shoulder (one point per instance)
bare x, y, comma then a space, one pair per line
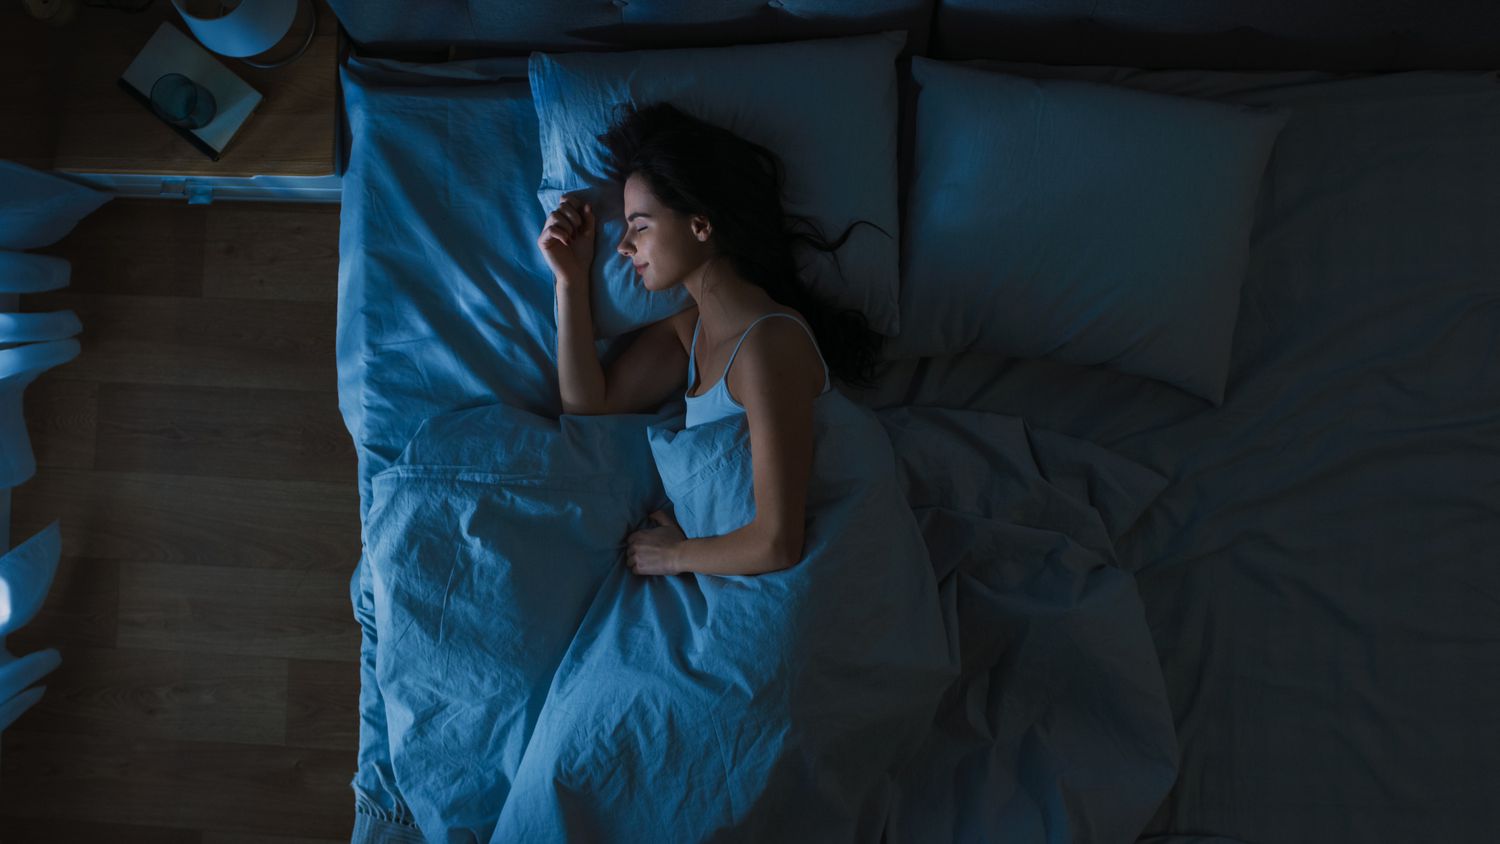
774, 345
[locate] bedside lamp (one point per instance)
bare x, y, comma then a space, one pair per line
250, 29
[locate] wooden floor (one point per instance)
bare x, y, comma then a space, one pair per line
210, 522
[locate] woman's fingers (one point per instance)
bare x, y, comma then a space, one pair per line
572, 209
557, 218
568, 221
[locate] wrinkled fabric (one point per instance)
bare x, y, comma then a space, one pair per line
537, 690
1319, 574
486, 543
765, 707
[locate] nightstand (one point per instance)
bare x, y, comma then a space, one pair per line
285, 150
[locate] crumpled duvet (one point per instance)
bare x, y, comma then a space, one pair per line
954, 656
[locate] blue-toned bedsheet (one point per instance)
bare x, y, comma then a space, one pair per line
932, 666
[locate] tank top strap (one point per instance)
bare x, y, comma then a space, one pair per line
693, 351
746, 333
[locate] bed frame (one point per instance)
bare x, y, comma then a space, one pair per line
1344, 36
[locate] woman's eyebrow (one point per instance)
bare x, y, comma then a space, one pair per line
638, 214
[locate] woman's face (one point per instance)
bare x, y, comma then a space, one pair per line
664, 246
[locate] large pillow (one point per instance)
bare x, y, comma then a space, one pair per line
826, 107
1083, 222
38, 208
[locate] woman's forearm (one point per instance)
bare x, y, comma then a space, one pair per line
580, 378
749, 550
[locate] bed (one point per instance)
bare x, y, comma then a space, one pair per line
1256, 610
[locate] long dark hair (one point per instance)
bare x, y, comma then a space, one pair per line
695, 167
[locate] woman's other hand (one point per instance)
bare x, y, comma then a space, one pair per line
567, 240
656, 550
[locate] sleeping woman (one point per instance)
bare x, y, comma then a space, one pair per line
703, 210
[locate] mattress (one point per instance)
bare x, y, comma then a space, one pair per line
1315, 576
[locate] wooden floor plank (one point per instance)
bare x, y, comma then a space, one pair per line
62, 420
304, 268
172, 783
322, 704
178, 519
144, 694
232, 433
228, 610
198, 342
55, 831
79, 611
136, 246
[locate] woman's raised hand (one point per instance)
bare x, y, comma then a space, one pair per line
567, 240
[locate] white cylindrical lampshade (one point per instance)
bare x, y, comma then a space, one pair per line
251, 28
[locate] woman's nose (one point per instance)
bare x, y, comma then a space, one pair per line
625, 248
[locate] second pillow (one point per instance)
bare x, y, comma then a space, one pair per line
1082, 222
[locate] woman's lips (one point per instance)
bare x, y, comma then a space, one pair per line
639, 267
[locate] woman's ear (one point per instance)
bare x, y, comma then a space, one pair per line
702, 228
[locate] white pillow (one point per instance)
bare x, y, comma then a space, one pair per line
826, 107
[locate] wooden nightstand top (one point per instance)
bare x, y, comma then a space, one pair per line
101, 129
